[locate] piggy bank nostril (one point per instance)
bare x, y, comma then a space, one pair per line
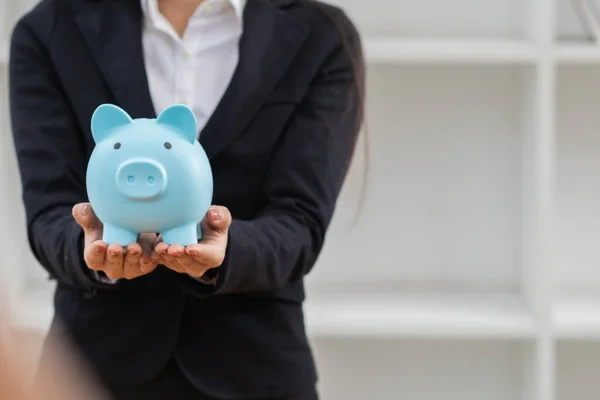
141, 179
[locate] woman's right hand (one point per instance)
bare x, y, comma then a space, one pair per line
113, 260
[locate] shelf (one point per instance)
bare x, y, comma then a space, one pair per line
393, 50
577, 53
472, 51
419, 316
577, 317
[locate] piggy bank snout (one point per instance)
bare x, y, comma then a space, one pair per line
141, 179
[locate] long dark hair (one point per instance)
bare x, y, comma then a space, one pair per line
352, 44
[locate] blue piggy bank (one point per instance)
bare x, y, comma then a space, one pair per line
148, 175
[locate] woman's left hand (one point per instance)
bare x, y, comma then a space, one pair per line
196, 259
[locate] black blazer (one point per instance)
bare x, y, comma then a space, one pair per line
279, 142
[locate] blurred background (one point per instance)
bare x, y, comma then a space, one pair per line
471, 272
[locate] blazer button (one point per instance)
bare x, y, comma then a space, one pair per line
90, 294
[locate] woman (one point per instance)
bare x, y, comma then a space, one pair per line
276, 87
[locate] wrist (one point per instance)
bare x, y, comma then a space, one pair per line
210, 277
102, 278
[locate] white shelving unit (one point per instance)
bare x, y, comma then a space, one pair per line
577, 54
411, 51
471, 272
390, 316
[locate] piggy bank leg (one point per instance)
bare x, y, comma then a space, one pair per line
116, 235
183, 235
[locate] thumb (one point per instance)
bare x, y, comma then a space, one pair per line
85, 217
218, 218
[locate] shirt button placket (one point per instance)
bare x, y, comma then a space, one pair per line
182, 86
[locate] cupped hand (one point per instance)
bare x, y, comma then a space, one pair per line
114, 260
208, 253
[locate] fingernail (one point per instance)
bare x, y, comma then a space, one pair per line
216, 214
193, 252
98, 249
145, 260
85, 209
176, 250
114, 253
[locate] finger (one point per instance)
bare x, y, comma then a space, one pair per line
131, 265
210, 255
176, 253
87, 219
176, 250
113, 265
156, 258
189, 263
146, 264
94, 255
162, 248
218, 218
168, 260
191, 266
172, 263
194, 249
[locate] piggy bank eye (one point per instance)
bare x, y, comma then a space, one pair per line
167, 145
117, 146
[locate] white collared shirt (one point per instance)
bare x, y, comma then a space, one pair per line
197, 68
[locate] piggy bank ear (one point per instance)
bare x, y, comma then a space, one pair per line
182, 119
106, 118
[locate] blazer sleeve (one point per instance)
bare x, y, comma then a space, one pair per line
51, 158
283, 242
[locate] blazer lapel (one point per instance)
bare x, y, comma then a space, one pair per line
114, 38
268, 45
269, 42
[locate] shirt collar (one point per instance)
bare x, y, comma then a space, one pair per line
152, 13
238, 6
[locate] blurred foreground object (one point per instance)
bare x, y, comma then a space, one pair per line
58, 375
